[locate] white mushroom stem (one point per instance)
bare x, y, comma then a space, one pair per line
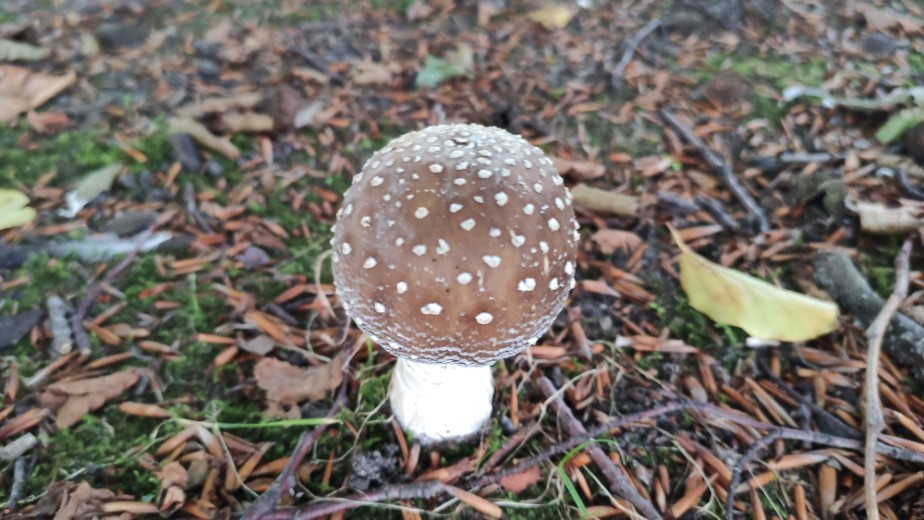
441, 402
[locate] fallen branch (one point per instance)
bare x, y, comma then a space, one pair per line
874, 336
620, 484
740, 464
836, 274
631, 46
719, 168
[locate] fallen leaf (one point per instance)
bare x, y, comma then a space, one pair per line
898, 124
72, 400
13, 209
368, 72
23, 89
47, 122
200, 133
609, 240
251, 122
763, 310
458, 63
881, 20
287, 383
880, 219
11, 50
552, 16
80, 502
604, 201
90, 187
260, 345
220, 105
520, 481
173, 479
579, 170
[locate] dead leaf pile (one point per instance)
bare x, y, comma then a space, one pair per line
70, 401
22, 90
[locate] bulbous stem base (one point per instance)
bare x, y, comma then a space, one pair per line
441, 402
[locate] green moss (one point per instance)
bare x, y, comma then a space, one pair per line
49, 276
779, 71
101, 449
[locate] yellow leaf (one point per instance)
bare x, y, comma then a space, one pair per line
552, 16
762, 309
13, 209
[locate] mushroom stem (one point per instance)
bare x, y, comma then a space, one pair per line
441, 402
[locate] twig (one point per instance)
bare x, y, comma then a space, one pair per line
265, 506
719, 168
81, 339
740, 464
631, 45
189, 195
874, 336
19, 483
619, 483
714, 208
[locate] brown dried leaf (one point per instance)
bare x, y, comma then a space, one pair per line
173, 478
610, 240
604, 201
22, 89
579, 170
288, 383
82, 502
368, 72
71, 400
881, 20
520, 481
482, 505
251, 122
200, 133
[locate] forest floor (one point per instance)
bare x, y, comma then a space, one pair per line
168, 327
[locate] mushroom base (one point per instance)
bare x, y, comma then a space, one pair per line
441, 402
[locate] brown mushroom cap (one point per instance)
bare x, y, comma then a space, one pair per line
455, 244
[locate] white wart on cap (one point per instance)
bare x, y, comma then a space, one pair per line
455, 244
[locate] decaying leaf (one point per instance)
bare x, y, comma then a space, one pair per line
287, 383
220, 105
173, 479
90, 187
368, 72
458, 63
70, 501
252, 122
579, 170
23, 89
880, 219
13, 209
520, 481
72, 400
609, 240
763, 310
201, 134
11, 50
552, 16
603, 201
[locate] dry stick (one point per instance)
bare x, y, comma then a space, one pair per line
81, 339
189, 194
264, 506
19, 483
874, 336
719, 168
619, 483
631, 45
743, 461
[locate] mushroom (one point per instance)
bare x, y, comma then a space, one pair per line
454, 248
